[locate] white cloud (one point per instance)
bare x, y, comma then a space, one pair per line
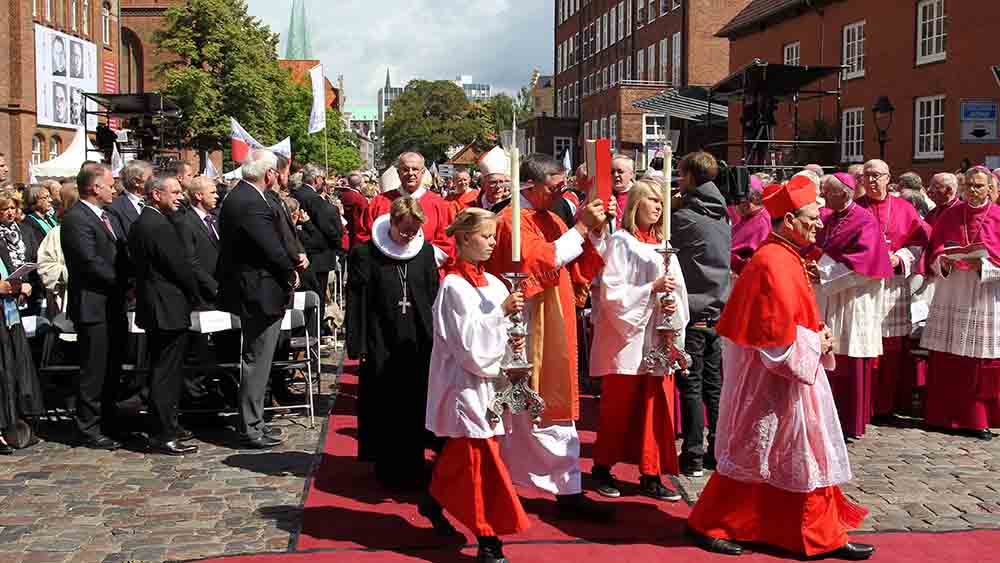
498, 42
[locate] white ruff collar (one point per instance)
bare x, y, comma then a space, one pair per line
383, 241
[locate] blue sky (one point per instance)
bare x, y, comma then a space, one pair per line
496, 41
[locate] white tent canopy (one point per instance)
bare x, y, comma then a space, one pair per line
68, 164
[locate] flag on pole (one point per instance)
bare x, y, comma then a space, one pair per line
117, 163
242, 141
317, 119
567, 162
210, 171
284, 148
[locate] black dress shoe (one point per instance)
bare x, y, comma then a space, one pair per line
606, 484
490, 550
716, 545
983, 434
853, 552
100, 442
5, 449
172, 447
261, 443
579, 507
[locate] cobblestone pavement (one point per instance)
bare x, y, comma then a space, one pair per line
914, 480
64, 504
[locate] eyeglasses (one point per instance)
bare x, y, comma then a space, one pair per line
874, 175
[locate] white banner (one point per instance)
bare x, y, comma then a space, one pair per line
317, 119
65, 68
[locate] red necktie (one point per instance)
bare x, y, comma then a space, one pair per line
107, 224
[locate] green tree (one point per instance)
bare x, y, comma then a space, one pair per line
429, 117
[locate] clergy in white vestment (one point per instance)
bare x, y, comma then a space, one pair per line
637, 402
471, 480
963, 382
852, 267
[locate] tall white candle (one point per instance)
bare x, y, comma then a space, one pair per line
515, 197
668, 172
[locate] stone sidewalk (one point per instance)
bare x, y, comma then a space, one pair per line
64, 504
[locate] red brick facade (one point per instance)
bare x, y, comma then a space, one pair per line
581, 57
890, 68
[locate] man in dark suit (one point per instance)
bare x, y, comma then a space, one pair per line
91, 246
322, 250
199, 230
125, 209
163, 307
256, 276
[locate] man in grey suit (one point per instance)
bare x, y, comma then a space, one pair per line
256, 277
127, 206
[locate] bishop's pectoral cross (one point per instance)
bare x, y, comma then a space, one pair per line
404, 303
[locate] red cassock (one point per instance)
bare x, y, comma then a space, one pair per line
435, 208
551, 306
457, 203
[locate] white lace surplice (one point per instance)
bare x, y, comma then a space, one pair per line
624, 319
965, 315
897, 296
777, 420
851, 305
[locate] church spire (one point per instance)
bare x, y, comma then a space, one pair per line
388, 84
299, 45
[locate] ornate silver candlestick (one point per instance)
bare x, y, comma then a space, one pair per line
667, 356
517, 396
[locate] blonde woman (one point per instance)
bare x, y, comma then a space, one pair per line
636, 414
470, 341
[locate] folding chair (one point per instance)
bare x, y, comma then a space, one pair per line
214, 322
305, 311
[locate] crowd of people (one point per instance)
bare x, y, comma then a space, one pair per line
806, 309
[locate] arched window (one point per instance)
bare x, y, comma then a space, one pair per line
130, 71
86, 18
73, 14
106, 23
54, 146
36, 149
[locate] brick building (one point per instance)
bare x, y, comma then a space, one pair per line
942, 88
120, 31
611, 53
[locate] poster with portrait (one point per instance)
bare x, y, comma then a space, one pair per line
65, 68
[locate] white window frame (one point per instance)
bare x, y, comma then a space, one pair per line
613, 24
53, 146
640, 64
85, 21
677, 4
621, 20
36, 149
604, 29
558, 102
613, 73
664, 7
640, 19
567, 144
792, 53
604, 128
934, 131
852, 135
74, 10
854, 50
597, 37
675, 61
48, 10
106, 23
939, 24
613, 132
34, 8
664, 57
651, 70
628, 67
628, 18
652, 10
621, 69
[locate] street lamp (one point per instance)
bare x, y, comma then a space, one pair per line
882, 112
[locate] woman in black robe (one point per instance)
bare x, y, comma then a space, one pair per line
20, 389
391, 284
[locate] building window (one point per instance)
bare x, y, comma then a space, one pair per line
853, 135
664, 7
621, 20
586, 131
677, 4
854, 50
675, 64
792, 51
614, 74
613, 132
628, 19
54, 148
621, 70
73, 9
34, 8
48, 10
60, 13
929, 130
654, 126
562, 145
663, 59
604, 73
613, 23
651, 63
106, 23
640, 64
932, 31
85, 20
604, 128
604, 26
628, 68
597, 40
652, 11
36, 149
640, 13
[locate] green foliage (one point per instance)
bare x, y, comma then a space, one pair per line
430, 117
222, 63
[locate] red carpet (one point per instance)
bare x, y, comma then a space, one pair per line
348, 517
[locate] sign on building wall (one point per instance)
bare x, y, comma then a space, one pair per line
65, 68
979, 121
